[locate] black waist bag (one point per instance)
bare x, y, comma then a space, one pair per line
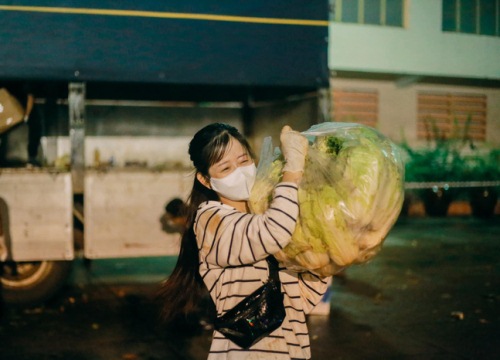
257, 315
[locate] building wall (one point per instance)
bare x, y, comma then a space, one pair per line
421, 48
397, 114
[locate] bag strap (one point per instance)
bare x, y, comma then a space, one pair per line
273, 268
273, 271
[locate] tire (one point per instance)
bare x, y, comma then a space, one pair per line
33, 282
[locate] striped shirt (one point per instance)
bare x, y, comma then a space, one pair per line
233, 247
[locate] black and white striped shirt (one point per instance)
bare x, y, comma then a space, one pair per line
232, 248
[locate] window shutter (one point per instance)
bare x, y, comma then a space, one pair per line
360, 106
451, 115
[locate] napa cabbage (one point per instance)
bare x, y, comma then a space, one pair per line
349, 198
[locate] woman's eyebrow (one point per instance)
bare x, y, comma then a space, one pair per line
221, 164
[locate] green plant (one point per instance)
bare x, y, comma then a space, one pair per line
442, 159
482, 166
440, 162
453, 158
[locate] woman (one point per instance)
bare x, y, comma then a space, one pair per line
225, 246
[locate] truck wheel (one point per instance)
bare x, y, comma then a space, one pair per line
32, 282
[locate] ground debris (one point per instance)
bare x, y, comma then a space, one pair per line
34, 311
130, 356
459, 315
491, 297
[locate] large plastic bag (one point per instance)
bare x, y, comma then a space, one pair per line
350, 196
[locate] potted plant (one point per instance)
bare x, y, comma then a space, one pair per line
483, 168
437, 164
432, 166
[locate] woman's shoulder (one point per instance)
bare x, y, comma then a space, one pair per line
210, 207
211, 204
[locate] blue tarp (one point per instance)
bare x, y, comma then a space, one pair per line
255, 43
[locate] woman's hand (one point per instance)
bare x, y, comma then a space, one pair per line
294, 147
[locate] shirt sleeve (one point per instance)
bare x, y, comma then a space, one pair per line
227, 237
312, 288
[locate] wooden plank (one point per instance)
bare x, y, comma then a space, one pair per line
468, 99
364, 109
478, 137
123, 210
343, 99
461, 118
356, 97
433, 107
354, 92
455, 108
425, 95
359, 111
459, 127
40, 214
342, 102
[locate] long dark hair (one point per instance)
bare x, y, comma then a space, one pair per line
184, 287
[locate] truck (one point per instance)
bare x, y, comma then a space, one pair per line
122, 87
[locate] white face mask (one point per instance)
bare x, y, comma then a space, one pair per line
237, 185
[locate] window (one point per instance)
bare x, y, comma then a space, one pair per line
348, 10
472, 16
468, 16
359, 106
373, 12
449, 15
451, 115
394, 13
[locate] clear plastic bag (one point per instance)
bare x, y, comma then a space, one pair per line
350, 196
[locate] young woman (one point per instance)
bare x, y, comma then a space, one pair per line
225, 246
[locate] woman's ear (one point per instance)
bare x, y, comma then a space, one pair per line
203, 180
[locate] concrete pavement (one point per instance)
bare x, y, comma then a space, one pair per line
433, 292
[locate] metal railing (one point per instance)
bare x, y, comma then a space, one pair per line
450, 184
